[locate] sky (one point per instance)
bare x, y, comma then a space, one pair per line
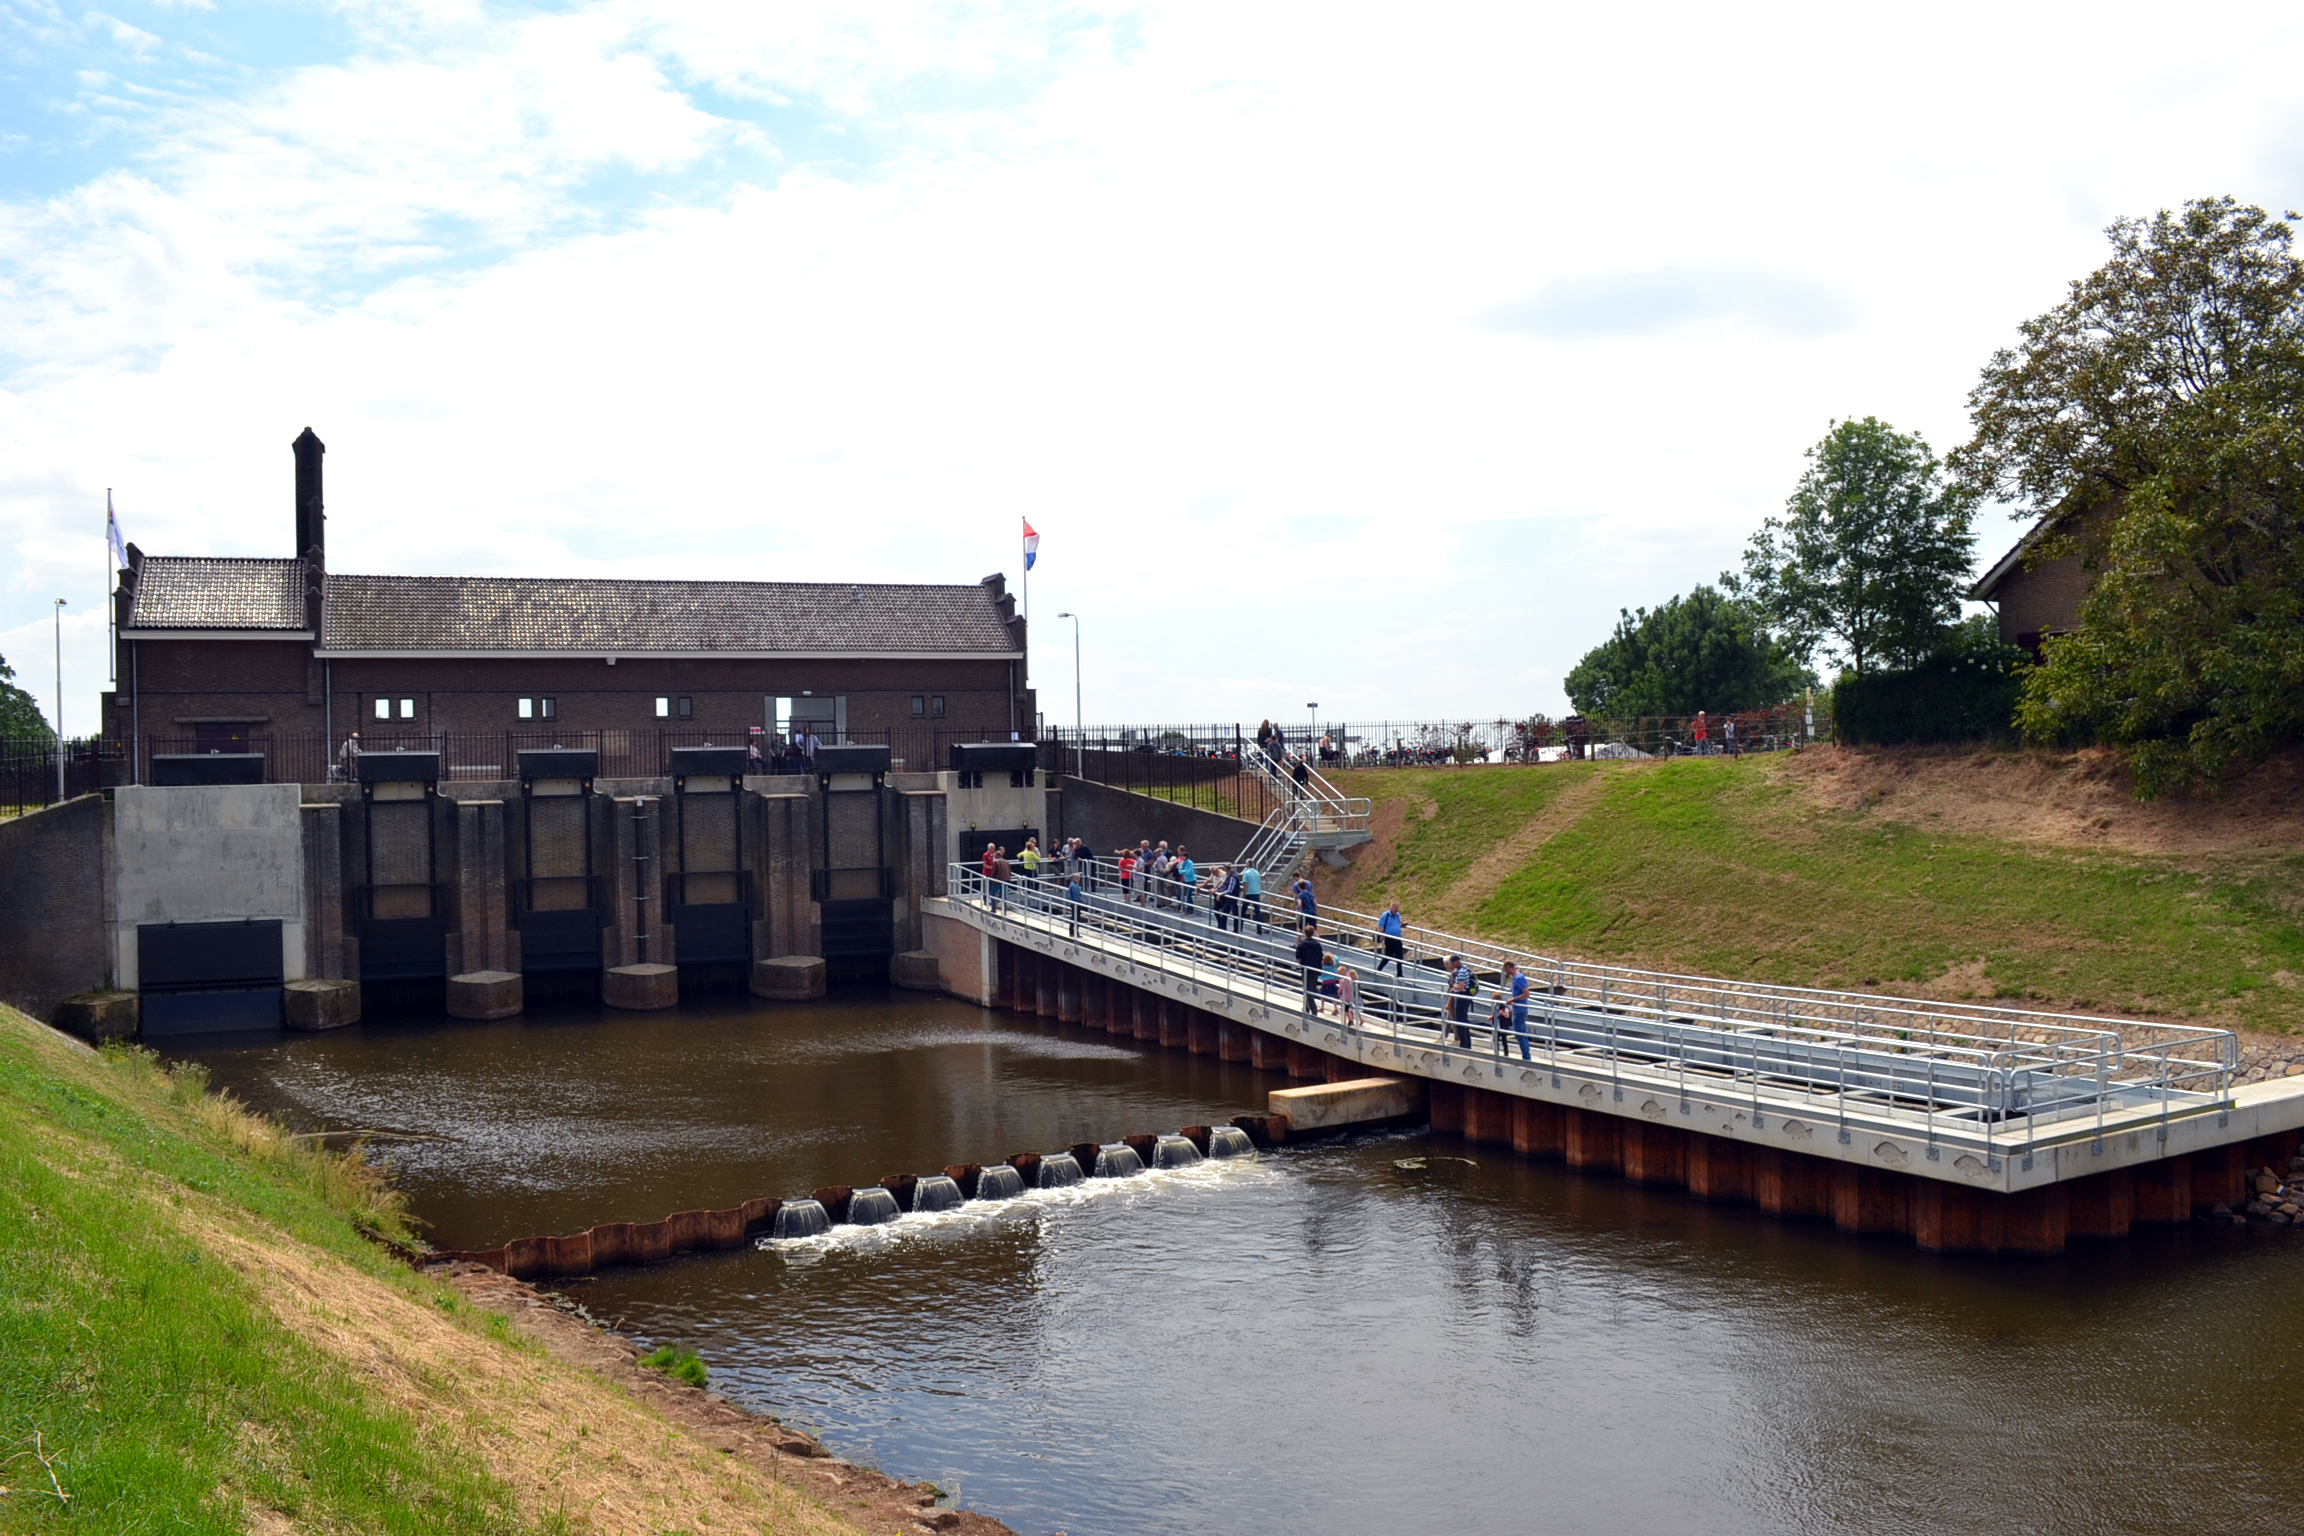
1374, 356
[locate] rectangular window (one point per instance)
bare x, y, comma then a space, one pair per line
663, 708
546, 710
936, 705
527, 709
407, 709
383, 709
919, 705
687, 709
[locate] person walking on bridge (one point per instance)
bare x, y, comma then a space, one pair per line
1511, 1008
1126, 860
1461, 986
1074, 896
1188, 881
1002, 873
1227, 899
1307, 904
1252, 895
1308, 958
1394, 930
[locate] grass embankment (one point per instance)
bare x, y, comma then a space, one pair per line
194, 1335
1998, 875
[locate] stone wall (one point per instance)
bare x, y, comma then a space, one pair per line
208, 854
1111, 818
53, 905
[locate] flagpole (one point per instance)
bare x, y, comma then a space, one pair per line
111, 634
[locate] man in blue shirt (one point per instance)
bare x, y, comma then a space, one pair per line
1394, 929
1307, 905
1460, 985
1512, 1008
1252, 895
1187, 880
1074, 895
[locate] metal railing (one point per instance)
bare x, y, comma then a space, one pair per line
1951, 1074
28, 771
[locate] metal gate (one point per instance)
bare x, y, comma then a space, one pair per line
708, 893
854, 886
400, 912
207, 978
557, 903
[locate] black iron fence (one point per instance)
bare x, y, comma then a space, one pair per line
28, 771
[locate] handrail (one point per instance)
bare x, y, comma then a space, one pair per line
1974, 1074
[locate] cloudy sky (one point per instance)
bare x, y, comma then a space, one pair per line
1372, 355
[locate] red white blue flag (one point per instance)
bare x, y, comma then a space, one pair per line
1031, 544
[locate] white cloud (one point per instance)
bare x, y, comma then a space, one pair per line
1377, 360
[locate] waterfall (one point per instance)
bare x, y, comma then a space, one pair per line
1059, 1170
1229, 1141
999, 1182
800, 1218
1117, 1161
870, 1207
935, 1193
1174, 1152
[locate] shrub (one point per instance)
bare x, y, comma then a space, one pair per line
1967, 691
679, 1364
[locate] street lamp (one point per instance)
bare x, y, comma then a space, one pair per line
1079, 721
1312, 729
59, 701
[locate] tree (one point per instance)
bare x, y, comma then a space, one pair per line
20, 717
2165, 398
1871, 554
1702, 651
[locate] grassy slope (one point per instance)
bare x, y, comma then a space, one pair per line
1733, 868
197, 1337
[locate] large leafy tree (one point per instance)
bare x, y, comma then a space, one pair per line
2155, 419
20, 717
1702, 651
1870, 556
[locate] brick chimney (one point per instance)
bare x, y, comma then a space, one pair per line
311, 524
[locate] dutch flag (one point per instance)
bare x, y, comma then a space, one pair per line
1031, 544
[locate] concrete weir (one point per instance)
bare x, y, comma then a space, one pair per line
2039, 1145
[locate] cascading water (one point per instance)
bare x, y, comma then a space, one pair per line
1229, 1141
1060, 1170
800, 1218
1174, 1152
999, 1182
870, 1207
1117, 1161
935, 1193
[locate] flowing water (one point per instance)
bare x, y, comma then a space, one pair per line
1384, 1334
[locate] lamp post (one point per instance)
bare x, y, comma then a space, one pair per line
1311, 729
59, 701
1079, 721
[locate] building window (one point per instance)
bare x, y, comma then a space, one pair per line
546, 710
663, 708
527, 709
936, 705
687, 709
407, 709
383, 709
919, 705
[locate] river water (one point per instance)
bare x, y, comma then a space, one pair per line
1377, 1335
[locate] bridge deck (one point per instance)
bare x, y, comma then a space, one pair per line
1998, 1097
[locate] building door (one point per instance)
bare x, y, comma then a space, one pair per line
824, 713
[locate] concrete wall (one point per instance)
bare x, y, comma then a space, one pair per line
998, 806
206, 854
1111, 818
54, 906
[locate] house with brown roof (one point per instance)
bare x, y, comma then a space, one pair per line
2033, 597
236, 655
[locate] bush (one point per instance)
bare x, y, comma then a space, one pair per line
1967, 691
679, 1364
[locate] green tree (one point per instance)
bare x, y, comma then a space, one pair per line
20, 717
1869, 559
2165, 399
1702, 651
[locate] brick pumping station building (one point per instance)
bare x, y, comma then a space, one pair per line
288, 658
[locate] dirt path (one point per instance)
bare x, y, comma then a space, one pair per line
1498, 864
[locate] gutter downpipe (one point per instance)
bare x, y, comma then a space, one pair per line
136, 710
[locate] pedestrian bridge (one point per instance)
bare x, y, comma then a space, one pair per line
1991, 1098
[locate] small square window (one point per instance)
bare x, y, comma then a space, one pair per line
687, 709
527, 709
407, 709
919, 705
383, 709
545, 709
663, 708
936, 705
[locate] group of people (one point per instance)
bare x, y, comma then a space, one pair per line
796, 753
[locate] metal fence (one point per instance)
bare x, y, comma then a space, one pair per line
1964, 1074
28, 771
1339, 744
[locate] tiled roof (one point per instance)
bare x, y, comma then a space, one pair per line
198, 593
494, 613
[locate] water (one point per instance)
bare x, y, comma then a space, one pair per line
999, 1183
801, 1218
1390, 1334
870, 1207
1118, 1161
1174, 1152
935, 1193
1059, 1170
1228, 1141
